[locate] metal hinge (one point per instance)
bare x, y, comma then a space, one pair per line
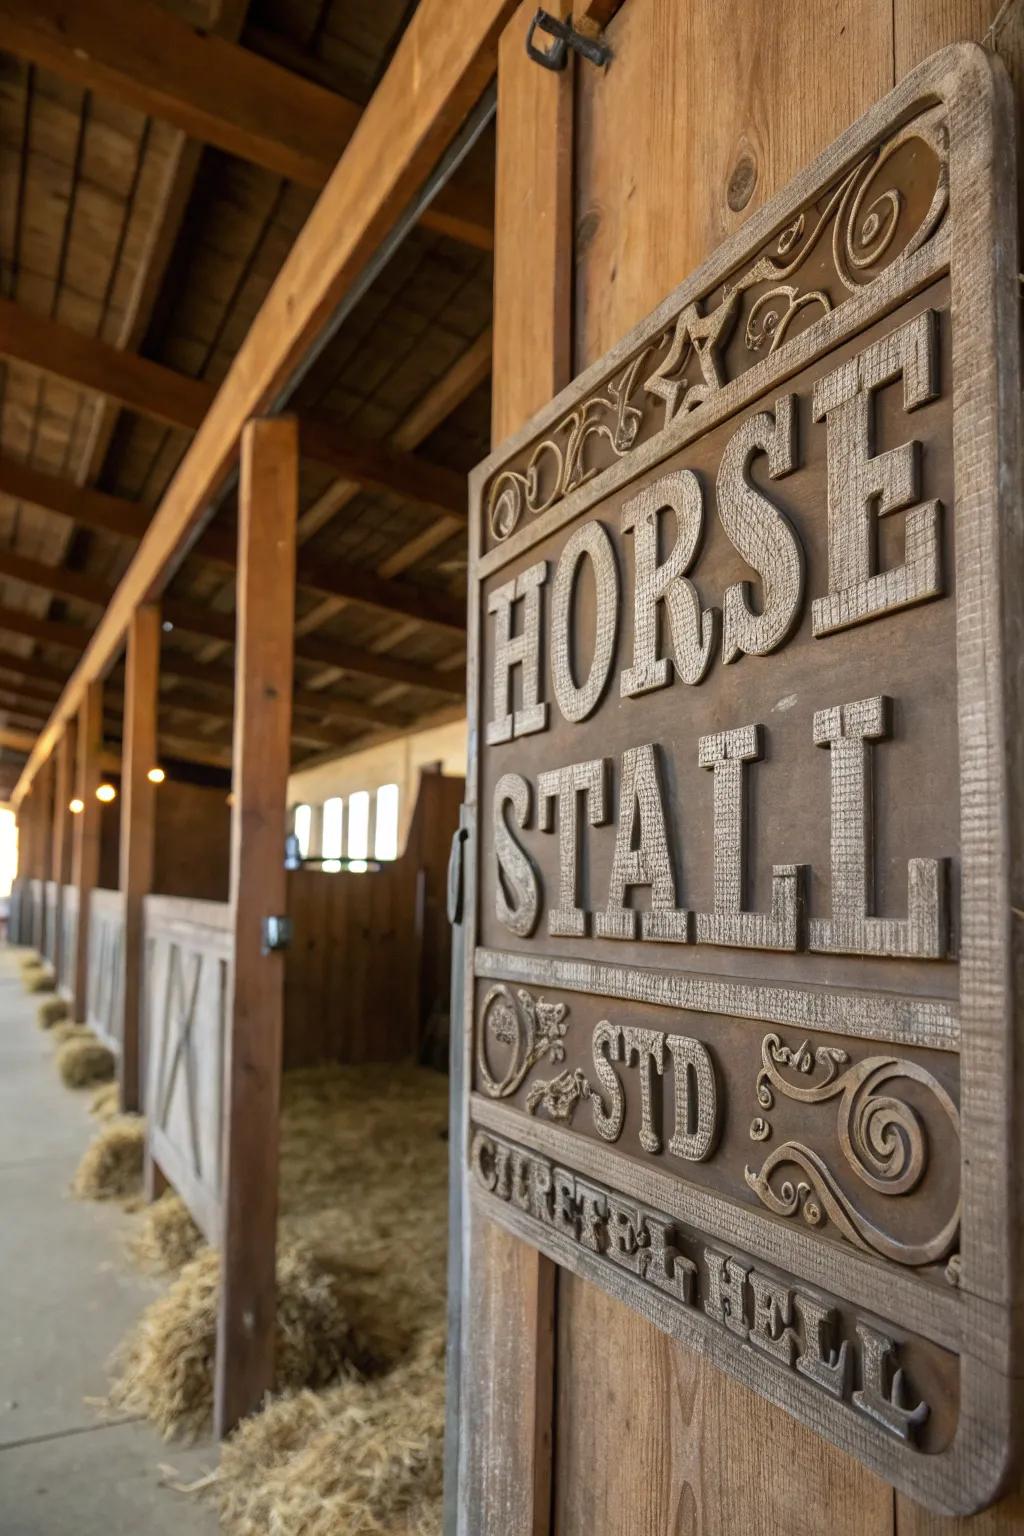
456, 860
565, 37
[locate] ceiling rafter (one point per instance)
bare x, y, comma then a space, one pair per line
215, 91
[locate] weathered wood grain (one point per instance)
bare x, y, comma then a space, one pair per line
268, 509
138, 831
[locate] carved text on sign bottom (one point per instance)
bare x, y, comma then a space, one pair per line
787, 1324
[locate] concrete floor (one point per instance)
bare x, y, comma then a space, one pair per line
68, 1294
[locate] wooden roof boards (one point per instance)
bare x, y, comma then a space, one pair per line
144, 226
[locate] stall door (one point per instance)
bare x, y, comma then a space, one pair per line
580, 1417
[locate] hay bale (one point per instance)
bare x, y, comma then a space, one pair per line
165, 1368
31, 960
111, 1167
364, 1457
51, 1011
60, 1034
106, 1102
167, 1237
82, 1063
39, 979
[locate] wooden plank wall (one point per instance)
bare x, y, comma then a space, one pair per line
193, 841
647, 1437
369, 950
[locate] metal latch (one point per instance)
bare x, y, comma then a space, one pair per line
277, 934
565, 37
455, 868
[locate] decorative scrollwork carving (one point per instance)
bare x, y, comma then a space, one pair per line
530, 1027
562, 461
881, 1136
686, 364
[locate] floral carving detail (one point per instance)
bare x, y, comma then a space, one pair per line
881, 1137
530, 1027
689, 366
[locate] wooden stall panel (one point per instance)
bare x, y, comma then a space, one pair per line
370, 955
798, 922
36, 924
51, 919
68, 941
105, 991
188, 980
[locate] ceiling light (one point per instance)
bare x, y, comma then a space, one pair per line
106, 793
76, 806
156, 775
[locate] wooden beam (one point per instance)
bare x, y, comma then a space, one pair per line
334, 653
305, 701
440, 69
195, 620
465, 375
181, 401
138, 832
212, 89
69, 637
64, 353
180, 162
346, 582
14, 697
55, 578
268, 509
380, 468
85, 851
320, 733
93, 509
27, 666
17, 741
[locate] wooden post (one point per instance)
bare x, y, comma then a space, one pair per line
61, 851
268, 496
138, 829
507, 1410
85, 855
47, 775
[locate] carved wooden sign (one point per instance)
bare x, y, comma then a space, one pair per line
745, 686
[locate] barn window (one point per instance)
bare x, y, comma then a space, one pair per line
303, 827
330, 834
359, 830
385, 837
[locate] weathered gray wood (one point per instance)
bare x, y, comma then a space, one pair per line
188, 989
831, 402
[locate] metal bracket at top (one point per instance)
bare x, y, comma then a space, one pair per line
565, 37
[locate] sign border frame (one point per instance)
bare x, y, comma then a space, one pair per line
977, 244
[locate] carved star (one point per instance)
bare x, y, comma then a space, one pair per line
702, 335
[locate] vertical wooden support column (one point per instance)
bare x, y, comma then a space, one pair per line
85, 855
506, 1405
268, 497
45, 779
60, 867
138, 829
26, 819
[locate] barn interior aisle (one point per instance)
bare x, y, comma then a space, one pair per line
64, 1468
